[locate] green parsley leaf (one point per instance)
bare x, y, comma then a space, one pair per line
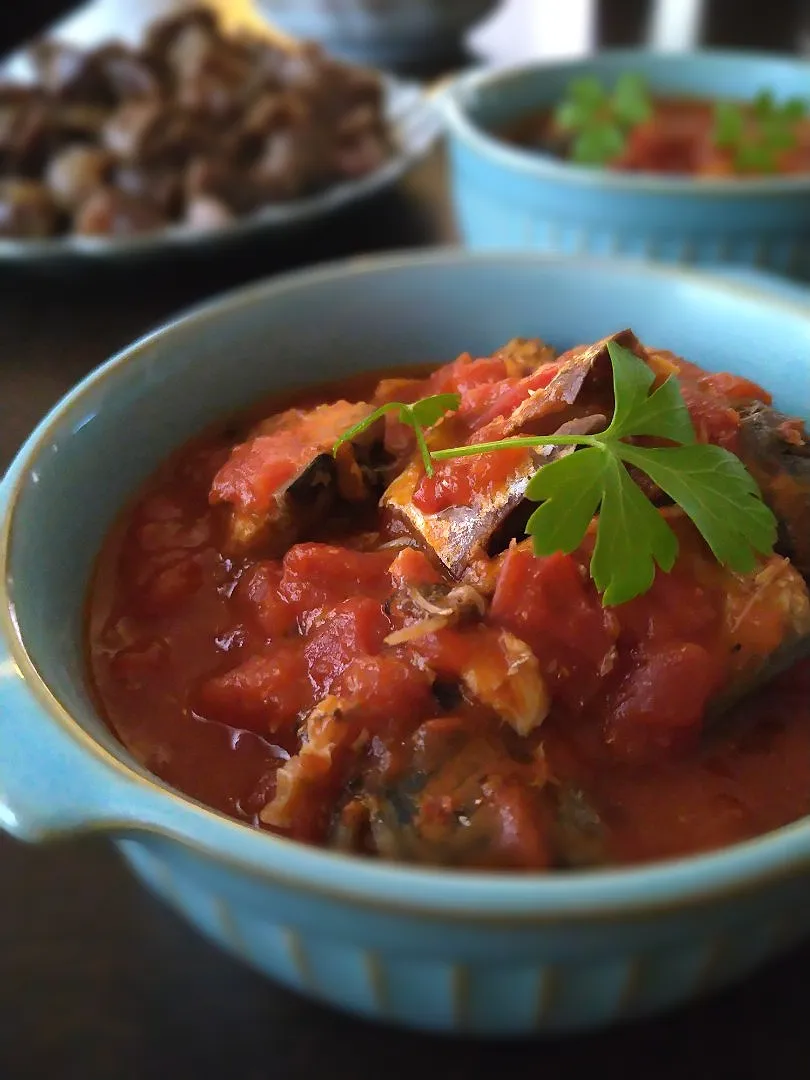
587, 91
631, 538
710, 485
569, 491
428, 411
780, 138
630, 101
597, 145
755, 157
419, 415
572, 116
729, 124
794, 109
757, 137
721, 497
598, 119
637, 412
764, 105
585, 100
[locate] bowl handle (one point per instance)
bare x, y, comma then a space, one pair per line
54, 779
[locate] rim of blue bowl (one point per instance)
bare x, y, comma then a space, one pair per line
453, 97
501, 899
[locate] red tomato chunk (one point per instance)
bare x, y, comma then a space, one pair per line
547, 603
317, 576
352, 628
264, 694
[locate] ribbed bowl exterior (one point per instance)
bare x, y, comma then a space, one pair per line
472, 977
549, 217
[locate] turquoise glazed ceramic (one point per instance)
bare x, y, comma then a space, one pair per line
491, 954
507, 197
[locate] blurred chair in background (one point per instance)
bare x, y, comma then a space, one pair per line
779, 25
528, 29
518, 29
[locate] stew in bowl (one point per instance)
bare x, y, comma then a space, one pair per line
357, 646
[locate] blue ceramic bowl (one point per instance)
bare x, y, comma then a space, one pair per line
453, 951
508, 197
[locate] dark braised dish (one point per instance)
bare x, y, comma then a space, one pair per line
526, 611
195, 128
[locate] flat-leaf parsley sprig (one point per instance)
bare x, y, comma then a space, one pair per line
419, 415
598, 119
710, 484
758, 135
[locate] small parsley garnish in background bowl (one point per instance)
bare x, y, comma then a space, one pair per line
598, 120
759, 134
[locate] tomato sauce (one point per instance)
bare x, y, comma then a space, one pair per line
293, 694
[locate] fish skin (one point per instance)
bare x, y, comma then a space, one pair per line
314, 489
781, 467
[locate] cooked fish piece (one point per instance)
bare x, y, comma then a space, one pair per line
767, 627
776, 451
454, 813
458, 534
463, 801
760, 626
440, 622
506, 677
584, 384
330, 732
524, 355
494, 667
284, 477
423, 608
578, 834
577, 400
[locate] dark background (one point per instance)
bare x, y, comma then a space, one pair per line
98, 981
775, 24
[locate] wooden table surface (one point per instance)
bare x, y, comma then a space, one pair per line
98, 981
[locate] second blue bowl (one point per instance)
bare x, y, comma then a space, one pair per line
509, 197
